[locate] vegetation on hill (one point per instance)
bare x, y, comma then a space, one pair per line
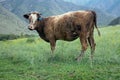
51, 7
10, 23
111, 7
30, 59
116, 21
4, 37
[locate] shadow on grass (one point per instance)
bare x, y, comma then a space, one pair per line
67, 59
58, 58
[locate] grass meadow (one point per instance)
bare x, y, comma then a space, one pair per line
31, 59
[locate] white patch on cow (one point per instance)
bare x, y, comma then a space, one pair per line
34, 18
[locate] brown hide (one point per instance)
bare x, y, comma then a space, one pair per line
67, 26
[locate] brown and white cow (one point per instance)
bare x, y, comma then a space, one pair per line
68, 27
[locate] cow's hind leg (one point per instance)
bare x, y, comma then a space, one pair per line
92, 45
84, 44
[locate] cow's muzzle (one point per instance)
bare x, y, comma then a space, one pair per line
30, 27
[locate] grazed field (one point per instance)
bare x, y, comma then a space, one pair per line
30, 59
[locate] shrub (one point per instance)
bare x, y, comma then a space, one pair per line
13, 36
8, 37
30, 40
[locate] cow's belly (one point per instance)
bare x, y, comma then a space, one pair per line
70, 36
67, 36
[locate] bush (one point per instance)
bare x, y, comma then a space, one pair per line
8, 37
26, 35
30, 40
13, 36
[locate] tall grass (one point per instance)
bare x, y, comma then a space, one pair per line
31, 59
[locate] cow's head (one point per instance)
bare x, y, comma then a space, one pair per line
33, 18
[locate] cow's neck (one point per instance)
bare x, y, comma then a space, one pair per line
40, 29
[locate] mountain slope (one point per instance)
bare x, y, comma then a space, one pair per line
10, 23
78, 2
115, 21
109, 6
50, 7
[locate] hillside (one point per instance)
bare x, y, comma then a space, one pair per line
78, 2
11, 24
111, 7
50, 7
116, 21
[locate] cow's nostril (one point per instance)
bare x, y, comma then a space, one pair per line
29, 27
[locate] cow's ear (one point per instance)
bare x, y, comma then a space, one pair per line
26, 16
39, 15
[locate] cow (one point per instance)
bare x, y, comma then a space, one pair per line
68, 26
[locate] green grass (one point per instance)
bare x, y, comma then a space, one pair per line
31, 59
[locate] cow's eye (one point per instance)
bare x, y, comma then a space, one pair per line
37, 19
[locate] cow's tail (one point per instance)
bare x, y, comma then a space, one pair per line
95, 22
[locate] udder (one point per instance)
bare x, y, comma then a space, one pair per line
70, 36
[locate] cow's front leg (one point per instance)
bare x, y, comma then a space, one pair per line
84, 44
53, 44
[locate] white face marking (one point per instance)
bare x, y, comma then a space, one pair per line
33, 18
